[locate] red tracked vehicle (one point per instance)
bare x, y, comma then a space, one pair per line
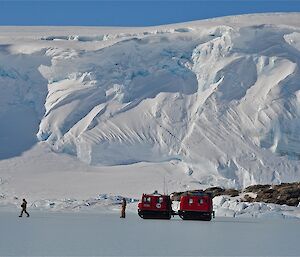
196, 206
155, 206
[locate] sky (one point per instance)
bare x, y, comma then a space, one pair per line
130, 13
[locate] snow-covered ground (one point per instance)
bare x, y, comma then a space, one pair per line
87, 112
54, 234
226, 206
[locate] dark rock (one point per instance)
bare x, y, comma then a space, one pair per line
231, 192
285, 193
292, 202
175, 196
248, 198
256, 188
216, 191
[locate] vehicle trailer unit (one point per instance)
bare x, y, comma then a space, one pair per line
193, 206
196, 206
155, 206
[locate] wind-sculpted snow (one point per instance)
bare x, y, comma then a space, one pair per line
223, 99
23, 91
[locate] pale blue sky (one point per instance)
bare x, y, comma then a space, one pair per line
131, 13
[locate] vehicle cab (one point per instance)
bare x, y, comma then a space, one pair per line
155, 206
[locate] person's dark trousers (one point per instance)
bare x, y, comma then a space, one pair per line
123, 213
25, 212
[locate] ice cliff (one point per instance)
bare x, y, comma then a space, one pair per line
221, 96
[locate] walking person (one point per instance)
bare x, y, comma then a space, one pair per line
24, 206
123, 209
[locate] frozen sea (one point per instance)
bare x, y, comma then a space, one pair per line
105, 234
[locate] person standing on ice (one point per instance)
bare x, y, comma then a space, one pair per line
24, 206
123, 208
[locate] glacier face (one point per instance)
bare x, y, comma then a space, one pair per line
222, 98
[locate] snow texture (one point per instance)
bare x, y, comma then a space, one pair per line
213, 102
107, 235
226, 206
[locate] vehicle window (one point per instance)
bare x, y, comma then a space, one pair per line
201, 201
147, 199
191, 201
160, 199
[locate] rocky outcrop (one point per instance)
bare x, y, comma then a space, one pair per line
175, 196
285, 193
214, 191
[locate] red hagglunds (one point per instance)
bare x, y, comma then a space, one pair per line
196, 205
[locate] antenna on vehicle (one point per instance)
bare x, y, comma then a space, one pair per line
167, 188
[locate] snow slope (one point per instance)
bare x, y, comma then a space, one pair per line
214, 102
